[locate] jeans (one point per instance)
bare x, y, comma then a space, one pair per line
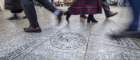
135, 4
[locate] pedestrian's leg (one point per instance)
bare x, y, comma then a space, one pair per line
136, 10
14, 16
47, 5
107, 11
51, 8
106, 8
30, 12
131, 31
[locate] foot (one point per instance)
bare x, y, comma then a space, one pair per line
94, 21
111, 15
31, 29
131, 30
134, 34
67, 16
12, 18
24, 17
59, 16
83, 16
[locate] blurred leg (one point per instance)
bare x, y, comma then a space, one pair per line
47, 5
136, 10
30, 12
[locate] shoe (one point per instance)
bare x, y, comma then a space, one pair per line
131, 30
12, 18
31, 29
111, 15
83, 16
67, 16
59, 16
24, 17
133, 34
91, 18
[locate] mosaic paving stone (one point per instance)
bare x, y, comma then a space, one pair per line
68, 41
23, 45
101, 35
65, 54
34, 57
104, 52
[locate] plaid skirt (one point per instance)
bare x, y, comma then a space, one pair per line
85, 7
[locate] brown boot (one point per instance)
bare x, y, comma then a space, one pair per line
31, 29
111, 15
83, 16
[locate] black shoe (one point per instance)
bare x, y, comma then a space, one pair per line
31, 29
24, 17
67, 16
12, 18
59, 17
91, 18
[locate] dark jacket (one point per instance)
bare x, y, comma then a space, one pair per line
13, 4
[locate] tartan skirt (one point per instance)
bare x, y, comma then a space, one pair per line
85, 7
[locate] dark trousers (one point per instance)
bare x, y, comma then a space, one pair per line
106, 8
17, 11
30, 12
135, 4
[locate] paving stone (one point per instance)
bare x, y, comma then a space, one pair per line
104, 52
5, 49
101, 35
23, 45
34, 57
62, 46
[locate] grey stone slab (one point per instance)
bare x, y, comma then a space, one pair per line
137, 41
67, 44
34, 57
5, 49
100, 34
105, 52
9, 34
23, 44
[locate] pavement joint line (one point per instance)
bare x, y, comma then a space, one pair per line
42, 43
122, 29
117, 46
87, 44
135, 43
40, 56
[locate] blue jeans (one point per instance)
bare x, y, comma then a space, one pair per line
135, 4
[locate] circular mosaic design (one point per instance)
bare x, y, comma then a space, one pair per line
68, 40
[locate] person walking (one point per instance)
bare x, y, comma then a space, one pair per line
15, 7
107, 10
131, 31
30, 12
82, 7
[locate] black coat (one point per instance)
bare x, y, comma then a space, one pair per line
13, 4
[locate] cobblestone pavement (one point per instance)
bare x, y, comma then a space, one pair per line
77, 40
